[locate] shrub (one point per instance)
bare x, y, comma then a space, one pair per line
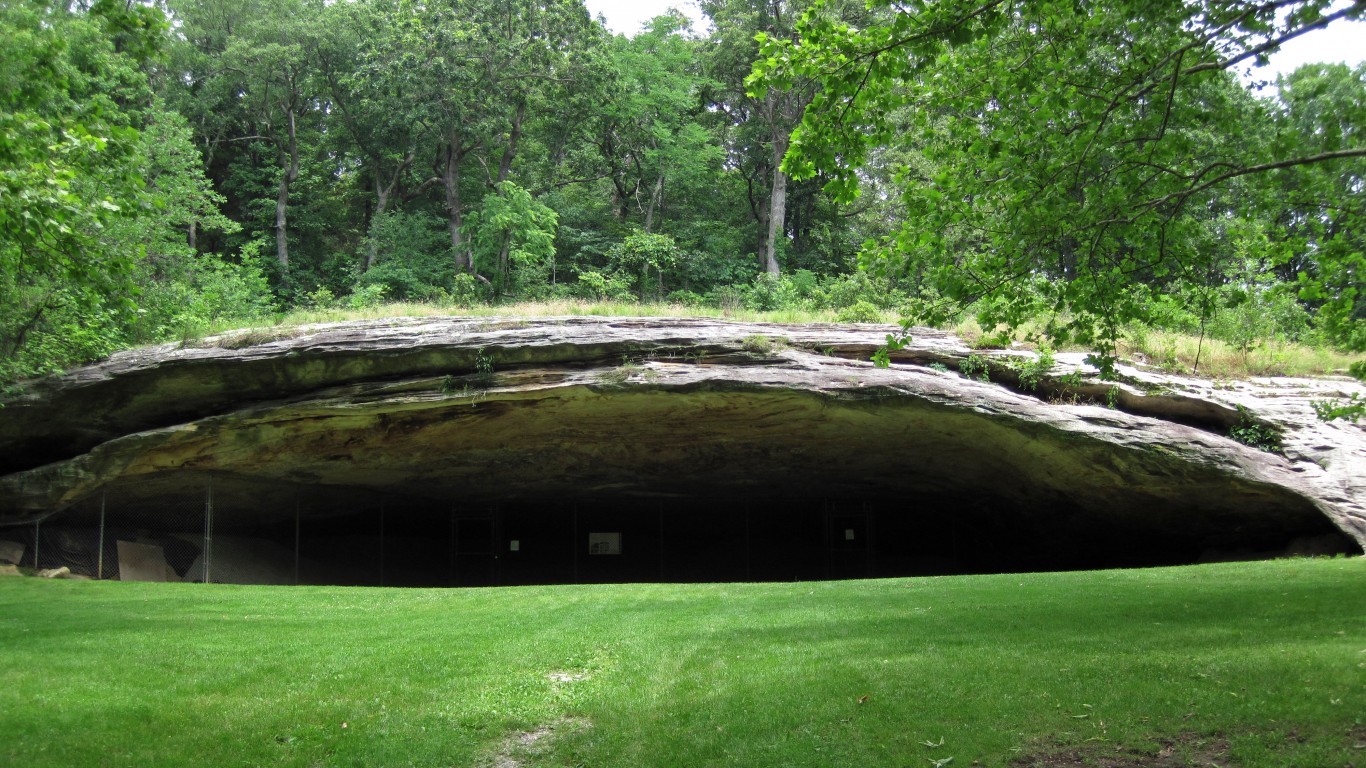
204, 291
1031, 371
762, 294
727, 297
597, 286
412, 256
860, 312
975, 367
646, 258
322, 298
1351, 409
687, 299
466, 291
367, 296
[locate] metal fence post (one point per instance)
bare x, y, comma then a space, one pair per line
296, 539
208, 530
99, 568
37, 534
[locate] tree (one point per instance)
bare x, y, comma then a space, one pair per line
650, 132
1321, 211
384, 126
642, 254
511, 231
245, 76
270, 56
473, 74
68, 171
772, 114
1076, 143
99, 183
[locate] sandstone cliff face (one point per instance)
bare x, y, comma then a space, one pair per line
554, 409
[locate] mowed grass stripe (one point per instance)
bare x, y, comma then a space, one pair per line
1269, 658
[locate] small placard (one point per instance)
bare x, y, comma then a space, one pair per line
604, 543
848, 534
514, 545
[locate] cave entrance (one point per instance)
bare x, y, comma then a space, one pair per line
234, 530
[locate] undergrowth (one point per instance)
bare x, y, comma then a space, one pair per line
1169, 352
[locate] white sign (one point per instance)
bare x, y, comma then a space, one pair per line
604, 543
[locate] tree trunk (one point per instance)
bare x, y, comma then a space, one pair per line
450, 177
289, 157
759, 212
382, 194
656, 199
381, 202
777, 204
620, 201
504, 268
510, 151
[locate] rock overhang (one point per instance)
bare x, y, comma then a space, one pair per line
578, 409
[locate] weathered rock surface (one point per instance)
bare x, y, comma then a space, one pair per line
567, 408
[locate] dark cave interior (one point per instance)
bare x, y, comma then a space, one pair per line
272, 533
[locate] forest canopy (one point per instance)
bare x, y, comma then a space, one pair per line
1089, 166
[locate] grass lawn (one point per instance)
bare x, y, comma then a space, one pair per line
1260, 664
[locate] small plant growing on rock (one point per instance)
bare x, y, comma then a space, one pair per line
483, 365
759, 344
621, 374
975, 367
1031, 372
1351, 409
1112, 398
1250, 432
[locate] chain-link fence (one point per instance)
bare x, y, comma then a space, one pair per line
199, 528
189, 527
145, 543
206, 529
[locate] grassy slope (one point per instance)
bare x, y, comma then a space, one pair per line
688, 675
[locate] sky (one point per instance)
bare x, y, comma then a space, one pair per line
1340, 42
625, 17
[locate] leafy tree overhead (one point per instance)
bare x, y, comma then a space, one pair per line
473, 75
1076, 146
270, 59
68, 171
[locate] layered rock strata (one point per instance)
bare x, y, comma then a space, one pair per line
550, 409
